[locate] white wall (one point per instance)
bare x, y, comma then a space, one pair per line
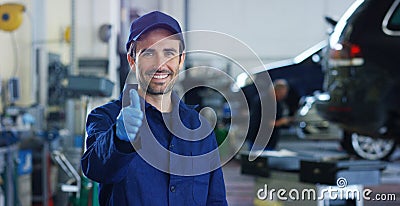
15, 56
145, 6
90, 15
59, 18
274, 29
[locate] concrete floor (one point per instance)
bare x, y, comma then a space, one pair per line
242, 189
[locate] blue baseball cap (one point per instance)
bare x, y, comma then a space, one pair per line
155, 19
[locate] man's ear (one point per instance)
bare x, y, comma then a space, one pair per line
131, 61
182, 60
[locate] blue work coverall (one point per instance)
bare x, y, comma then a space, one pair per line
127, 179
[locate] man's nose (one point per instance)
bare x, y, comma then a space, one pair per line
161, 61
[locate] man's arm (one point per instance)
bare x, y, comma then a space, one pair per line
216, 190
107, 158
283, 121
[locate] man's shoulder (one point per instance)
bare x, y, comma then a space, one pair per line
109, 108
104, 115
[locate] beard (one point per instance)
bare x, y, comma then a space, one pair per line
154, 91
151, 88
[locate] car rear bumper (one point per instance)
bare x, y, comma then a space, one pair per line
350, 115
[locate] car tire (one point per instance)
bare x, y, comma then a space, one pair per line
368, 147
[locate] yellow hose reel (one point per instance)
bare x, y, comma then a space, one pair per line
11, 16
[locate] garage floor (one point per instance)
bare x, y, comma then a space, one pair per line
242, 189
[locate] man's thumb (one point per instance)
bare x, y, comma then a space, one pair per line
134, 96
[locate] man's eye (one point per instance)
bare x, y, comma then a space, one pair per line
147, 54
170, 54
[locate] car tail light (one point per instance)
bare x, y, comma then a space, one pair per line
345, 55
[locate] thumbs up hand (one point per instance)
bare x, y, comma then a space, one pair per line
129, 119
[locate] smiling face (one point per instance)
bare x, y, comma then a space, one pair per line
157, 62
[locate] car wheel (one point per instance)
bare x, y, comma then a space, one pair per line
368, 147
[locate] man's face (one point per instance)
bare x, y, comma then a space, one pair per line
281, 93
157, 62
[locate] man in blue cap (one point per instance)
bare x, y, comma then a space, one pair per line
149, 148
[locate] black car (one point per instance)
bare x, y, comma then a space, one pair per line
362, 77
